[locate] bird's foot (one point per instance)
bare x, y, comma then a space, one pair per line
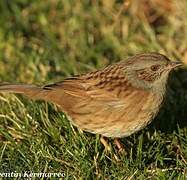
120, 146
105, 144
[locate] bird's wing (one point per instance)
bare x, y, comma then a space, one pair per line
107, 88
100, 102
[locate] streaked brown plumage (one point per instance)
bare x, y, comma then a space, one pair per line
115, 101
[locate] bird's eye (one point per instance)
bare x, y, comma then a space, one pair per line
155, 67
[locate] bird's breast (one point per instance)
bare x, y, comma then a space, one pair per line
117, 118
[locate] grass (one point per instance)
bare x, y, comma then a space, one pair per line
42, 42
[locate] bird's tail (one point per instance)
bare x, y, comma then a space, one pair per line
30, 91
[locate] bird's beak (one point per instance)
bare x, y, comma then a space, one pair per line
173, 65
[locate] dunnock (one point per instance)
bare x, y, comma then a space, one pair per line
115, 101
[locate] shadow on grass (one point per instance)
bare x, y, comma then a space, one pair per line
173, 113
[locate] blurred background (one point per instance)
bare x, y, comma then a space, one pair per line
46, 41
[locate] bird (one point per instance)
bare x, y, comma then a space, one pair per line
115, 101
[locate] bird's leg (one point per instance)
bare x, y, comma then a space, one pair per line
117, 142
105, 143
119, 145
